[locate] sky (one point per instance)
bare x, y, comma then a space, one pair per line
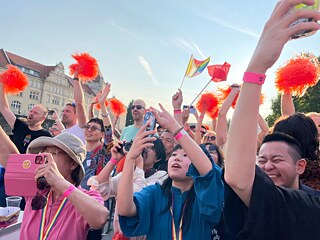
143, 47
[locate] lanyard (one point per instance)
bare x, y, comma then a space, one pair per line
43, 235
174, 233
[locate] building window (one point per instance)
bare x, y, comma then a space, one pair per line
19, 94
30, 106
55, 100
34, 95
15, 105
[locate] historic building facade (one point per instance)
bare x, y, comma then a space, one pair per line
48, 85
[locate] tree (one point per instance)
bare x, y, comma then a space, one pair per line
129, 118
309, 102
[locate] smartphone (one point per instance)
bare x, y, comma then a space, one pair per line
306, 33
19, 178
50, 112
147, 117
192, 110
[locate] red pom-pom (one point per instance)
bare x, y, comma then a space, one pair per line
97, 105
14, 81
207, 102
87, 67
213, 114
298, 74
117, 107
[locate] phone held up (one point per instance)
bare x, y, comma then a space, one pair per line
149, 117
20, 172
306, 33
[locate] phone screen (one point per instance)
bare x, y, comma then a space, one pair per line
147, 117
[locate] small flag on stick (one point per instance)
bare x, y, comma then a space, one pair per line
195, 67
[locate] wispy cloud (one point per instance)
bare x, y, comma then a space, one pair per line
240, 29
148, 69
188, 46
122, 29
232, 26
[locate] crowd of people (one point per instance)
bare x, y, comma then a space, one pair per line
179, 180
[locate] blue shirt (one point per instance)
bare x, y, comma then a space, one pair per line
154, 218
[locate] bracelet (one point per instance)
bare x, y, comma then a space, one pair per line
77, 79
114, 161
180, 134
178, 111
256, 78
176, 132
201, 117
105, 115
67, 192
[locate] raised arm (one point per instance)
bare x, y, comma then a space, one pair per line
4, 108
240, 168
192, 149
264, 129
197, 133
79, 100
55, 117
7, 147
102, 97
126, 206
222, 124
177, 99
287, 106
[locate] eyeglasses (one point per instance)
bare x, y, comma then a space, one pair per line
40, 200
139, 107
92, 127
210, 138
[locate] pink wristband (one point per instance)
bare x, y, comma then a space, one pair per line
114, 161
177, 111
67, 192
256, 78
180, 134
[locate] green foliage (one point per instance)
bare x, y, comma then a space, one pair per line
129, 118
309, 102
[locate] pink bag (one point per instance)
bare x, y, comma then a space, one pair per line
20, 172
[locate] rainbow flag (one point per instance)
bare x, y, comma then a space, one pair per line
195, 67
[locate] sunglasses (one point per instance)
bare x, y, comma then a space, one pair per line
210, 138
92, 128
137, 107
40, 200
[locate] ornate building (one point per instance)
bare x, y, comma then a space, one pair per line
48, 85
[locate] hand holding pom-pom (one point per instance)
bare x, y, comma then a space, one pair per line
86, 67
13, 80
298, 74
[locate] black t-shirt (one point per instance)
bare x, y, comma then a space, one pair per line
22, 135
274, 212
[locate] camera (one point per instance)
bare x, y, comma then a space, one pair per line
124, 146
42, 183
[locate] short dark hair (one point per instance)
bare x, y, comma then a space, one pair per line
73, 105
98, 121
295, 150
